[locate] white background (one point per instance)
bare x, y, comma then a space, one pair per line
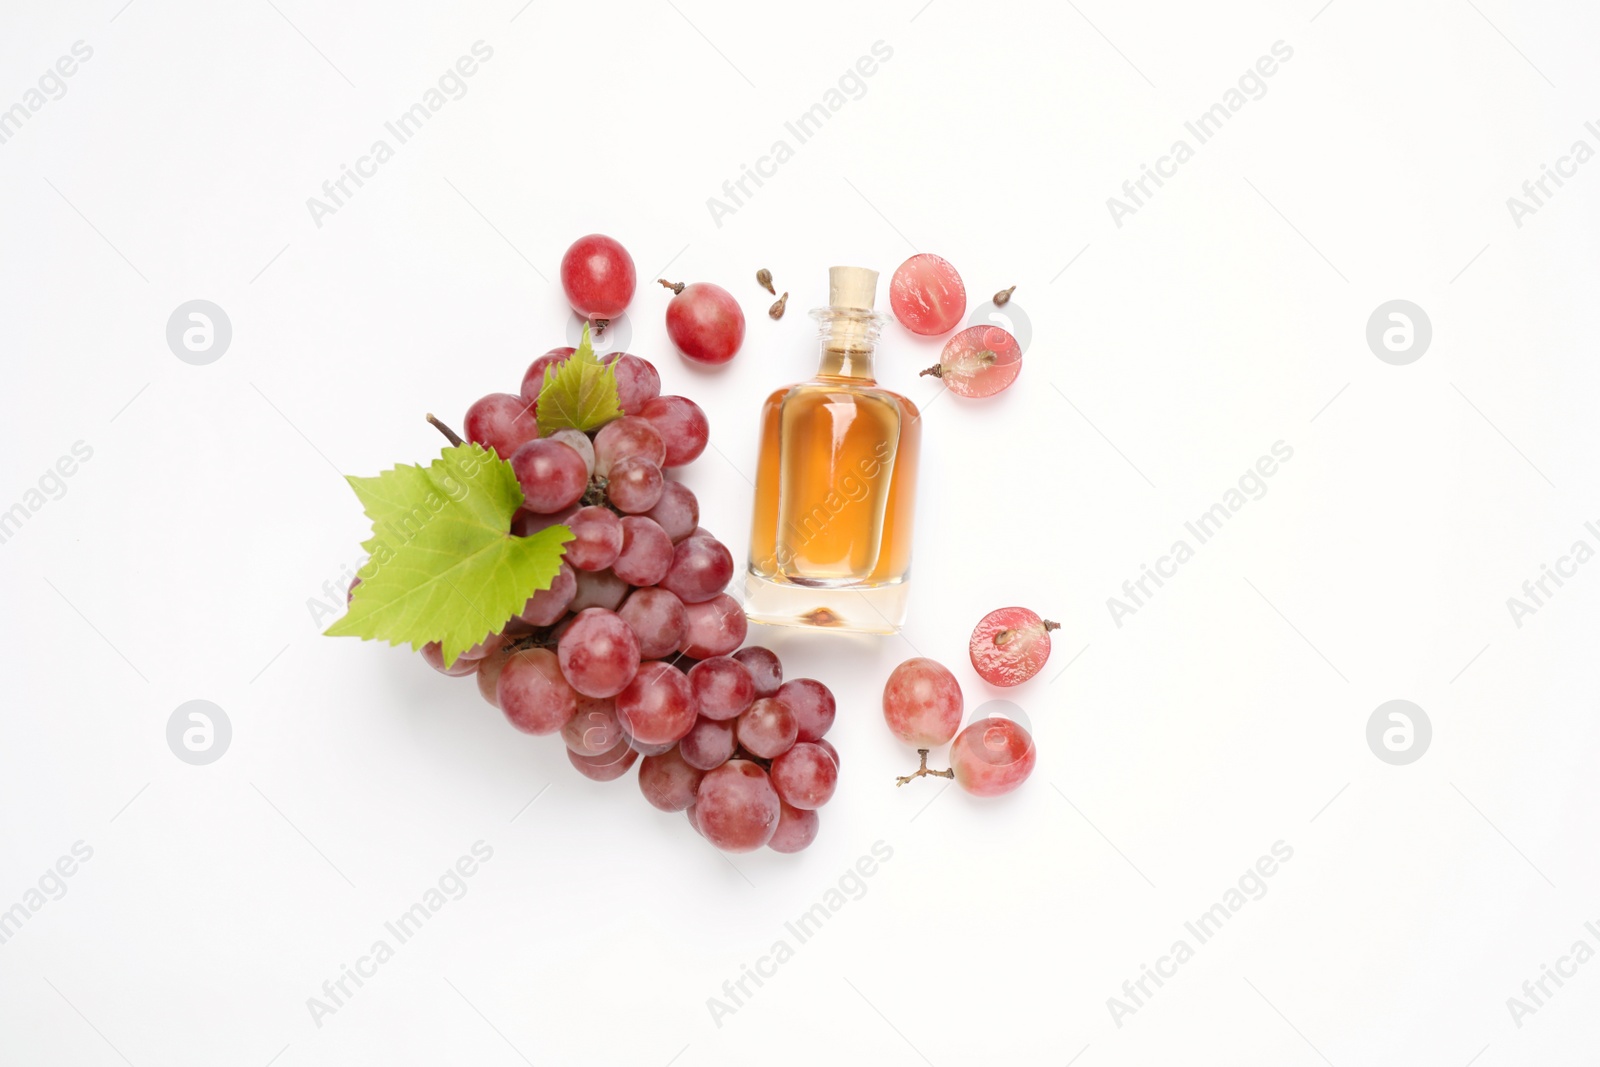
1167, 355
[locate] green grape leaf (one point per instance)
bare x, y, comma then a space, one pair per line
580, 394
444, 564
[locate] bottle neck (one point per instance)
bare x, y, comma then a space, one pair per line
849, 338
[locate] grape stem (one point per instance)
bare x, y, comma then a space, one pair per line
923, 770
937, 370
1005, 637
676, 287
450, 435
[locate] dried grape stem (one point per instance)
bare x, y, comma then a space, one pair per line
923, 770
450, 435
937, 370
676, 287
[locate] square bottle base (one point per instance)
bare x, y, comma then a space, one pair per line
846, 608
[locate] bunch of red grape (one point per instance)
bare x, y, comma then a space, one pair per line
630, 652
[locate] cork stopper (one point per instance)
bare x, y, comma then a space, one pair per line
852, 287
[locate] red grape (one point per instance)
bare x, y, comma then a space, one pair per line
723, 688
598, 277
708, 744
705, 322
657, 618
796, 829
992, 756
598, 589
638, 381
736, 807
489, 669
646, 552
927, 295
630, 435
701, 568
682, 425
548, 605
677, 512
764, 666
827, 746
634, 484
657, 707
526, 523
716, 627
767, 729
979, 361
533, 694
606, 767
813, 706
1010, 645
552, 475
596, 539
668, 782
805, 776
594, 728
579, 442
533, 379
922, 703
501, 422
433, 655
599, 654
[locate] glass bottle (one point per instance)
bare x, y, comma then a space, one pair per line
830, 539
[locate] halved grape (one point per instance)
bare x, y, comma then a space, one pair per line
927, 295
1010, 645
979, 361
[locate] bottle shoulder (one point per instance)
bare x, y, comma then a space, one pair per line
837, 390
